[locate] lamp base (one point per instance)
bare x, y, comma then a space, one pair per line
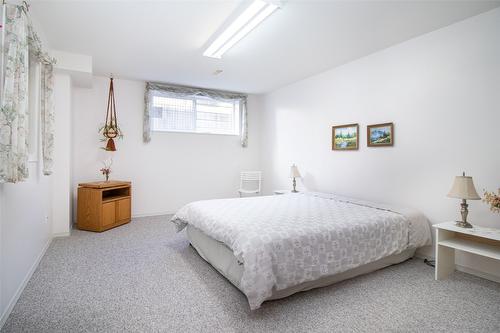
463, 224
464, 211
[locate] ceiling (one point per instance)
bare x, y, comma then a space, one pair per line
164, 40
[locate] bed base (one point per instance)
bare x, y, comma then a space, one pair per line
223, 260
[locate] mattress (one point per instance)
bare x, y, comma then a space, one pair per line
223, 260
296, 240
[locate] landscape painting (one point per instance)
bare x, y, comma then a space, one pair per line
345, 137
380, 135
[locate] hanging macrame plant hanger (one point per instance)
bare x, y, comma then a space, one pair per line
111, 129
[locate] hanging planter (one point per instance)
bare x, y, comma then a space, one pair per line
110, 130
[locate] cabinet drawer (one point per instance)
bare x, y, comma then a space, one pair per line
108, 213
123, 210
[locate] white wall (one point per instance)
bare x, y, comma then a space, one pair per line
35, 210
25, 232
25, 218
170, 171
441, 90
61, 191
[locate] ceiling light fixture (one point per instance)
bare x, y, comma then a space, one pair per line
246, 22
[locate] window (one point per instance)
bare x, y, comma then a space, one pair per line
194, 114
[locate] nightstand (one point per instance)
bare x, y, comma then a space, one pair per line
477, 240
103, 205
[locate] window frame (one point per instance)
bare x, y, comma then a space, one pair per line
236, 114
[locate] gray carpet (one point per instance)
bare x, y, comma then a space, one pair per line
142, 277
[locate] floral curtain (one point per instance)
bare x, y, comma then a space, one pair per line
182, 91
20, 40
47, 116
47, 110
244, 123
146, 119
14, 103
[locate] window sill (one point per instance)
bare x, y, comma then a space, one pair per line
197, 133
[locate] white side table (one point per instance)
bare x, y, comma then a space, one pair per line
478, 240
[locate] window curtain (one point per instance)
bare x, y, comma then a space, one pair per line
47, 110
19, 41
190, 92
47, 116
14, 122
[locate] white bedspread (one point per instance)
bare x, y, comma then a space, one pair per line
284, 240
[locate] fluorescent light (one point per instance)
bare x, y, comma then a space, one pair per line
246, 29
245, 23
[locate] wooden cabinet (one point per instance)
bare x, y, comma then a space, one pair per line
103, 205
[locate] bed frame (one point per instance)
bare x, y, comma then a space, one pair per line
223, 260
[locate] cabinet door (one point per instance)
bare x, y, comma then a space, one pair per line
108, 213
123, 209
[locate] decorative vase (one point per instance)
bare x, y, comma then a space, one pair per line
106, 169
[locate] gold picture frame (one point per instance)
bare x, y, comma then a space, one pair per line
345, 137
380, 135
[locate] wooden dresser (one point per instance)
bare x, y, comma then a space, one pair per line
103, 205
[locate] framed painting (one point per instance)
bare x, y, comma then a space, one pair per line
345, 137
380, 135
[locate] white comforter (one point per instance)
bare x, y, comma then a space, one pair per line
285, 240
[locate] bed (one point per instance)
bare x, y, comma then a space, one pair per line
270, 247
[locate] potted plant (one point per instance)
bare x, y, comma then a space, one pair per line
110, 130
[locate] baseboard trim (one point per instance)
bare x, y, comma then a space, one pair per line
475, 272
152, 214
61, 234
20, 290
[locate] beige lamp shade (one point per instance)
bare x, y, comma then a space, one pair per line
294, 172
463, 188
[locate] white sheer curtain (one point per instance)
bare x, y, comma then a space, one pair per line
191, 92
19, 40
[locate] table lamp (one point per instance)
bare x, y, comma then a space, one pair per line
294, 173
463, 188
